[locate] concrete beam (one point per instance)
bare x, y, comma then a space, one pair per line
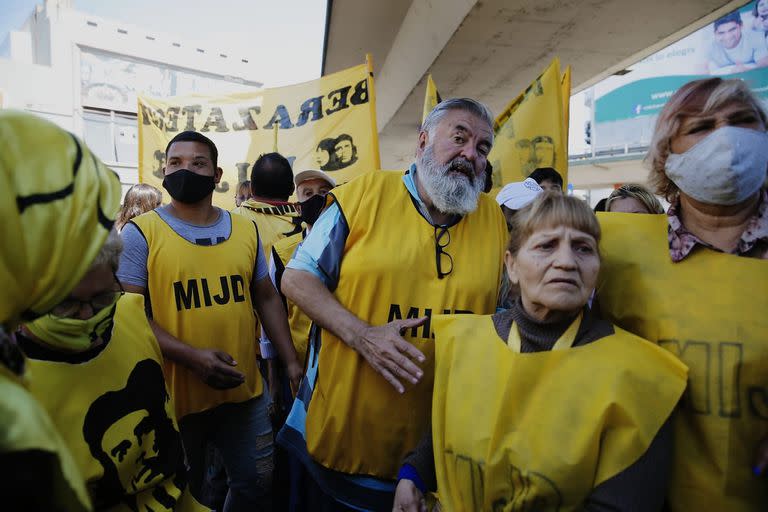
426, 29
608, 174
660, 45
491, 50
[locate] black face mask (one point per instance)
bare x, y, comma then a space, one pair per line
187, 187
311, 208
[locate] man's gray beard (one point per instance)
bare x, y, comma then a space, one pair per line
449, 194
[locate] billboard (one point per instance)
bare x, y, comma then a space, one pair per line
113, 82
327, 124
734, 46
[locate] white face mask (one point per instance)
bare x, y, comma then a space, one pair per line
724, 168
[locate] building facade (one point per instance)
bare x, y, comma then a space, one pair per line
84, 73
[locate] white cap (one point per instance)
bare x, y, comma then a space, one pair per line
518, 194
311, 175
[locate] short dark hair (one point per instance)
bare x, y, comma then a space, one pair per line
342, 137
474, 107
191, 136
546, 173
272, 177
731, 17
600, 206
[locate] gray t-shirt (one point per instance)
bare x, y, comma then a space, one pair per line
133, 261
751, 48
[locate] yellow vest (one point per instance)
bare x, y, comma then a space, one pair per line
297, 320
357, 422
98, 405
202, 296
710, 311
27, 427
274, 222
539, 431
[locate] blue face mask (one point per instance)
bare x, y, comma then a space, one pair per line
724, 168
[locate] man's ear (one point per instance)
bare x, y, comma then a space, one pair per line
217, 175
163, 170
509, 263
423, 141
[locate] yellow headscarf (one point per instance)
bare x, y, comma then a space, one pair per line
57, 205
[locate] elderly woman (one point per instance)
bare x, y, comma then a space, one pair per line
546, 405
58, 203
97, 369
633, 198
695, 281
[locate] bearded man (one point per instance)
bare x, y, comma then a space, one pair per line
390, 250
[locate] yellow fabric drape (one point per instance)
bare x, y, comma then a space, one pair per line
539, 431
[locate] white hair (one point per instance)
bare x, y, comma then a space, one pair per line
467, 104
451, 195
109, 253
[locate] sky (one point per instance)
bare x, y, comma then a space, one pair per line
290, 31
14, 14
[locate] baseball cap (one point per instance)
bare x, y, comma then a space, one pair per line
518, 194
313, 174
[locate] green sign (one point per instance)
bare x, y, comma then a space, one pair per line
648, 96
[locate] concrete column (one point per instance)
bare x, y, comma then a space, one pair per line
426, 29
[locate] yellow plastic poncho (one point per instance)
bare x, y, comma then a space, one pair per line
57, 204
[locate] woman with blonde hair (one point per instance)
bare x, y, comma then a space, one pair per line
633, 198
139, 199
695, 281
243, 192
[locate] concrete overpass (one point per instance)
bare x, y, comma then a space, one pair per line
492, 49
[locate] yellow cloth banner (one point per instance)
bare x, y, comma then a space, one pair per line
565, 88
708, 310
431, 97
116, 417
327, 124
539, 431
532, 130
27, 428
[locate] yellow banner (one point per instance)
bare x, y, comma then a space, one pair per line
565, 87
531, 132
431, 97
327, 124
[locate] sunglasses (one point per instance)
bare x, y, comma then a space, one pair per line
443, 260
69, 307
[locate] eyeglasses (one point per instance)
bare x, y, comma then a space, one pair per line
69, 308
443, 260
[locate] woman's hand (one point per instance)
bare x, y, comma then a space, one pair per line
408, 498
